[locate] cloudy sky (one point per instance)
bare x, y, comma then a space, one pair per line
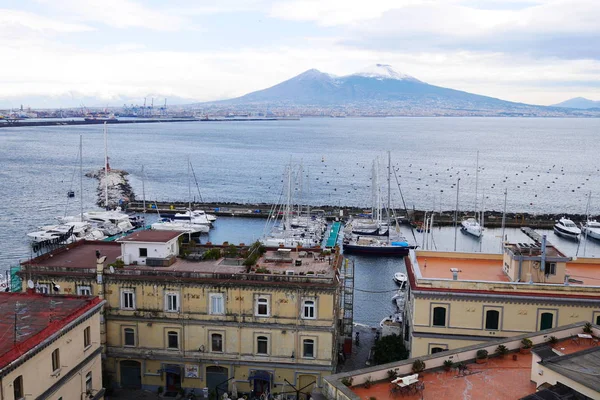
533, 51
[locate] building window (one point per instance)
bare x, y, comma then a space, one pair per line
492, 320
55, 360
439, 316
216, 341
88, 382
143, 252
309, 309
18, 387
84, 290
128, 299
262, 345
129, 337
172, 340
598, 320
172, 301
308, 348
43, 288
437, 350
217, 303
87, 337
546, 321
262, 306
551, 268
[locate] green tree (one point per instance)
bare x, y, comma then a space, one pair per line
388, 349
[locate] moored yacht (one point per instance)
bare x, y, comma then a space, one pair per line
400, 278
592, 229
567, 228
181, 226
472, 227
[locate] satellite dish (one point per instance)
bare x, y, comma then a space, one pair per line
112, 269
30, 284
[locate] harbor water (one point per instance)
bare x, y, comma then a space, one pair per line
543, 163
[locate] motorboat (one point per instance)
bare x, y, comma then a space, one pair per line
196, 217
110, 222
592, 229
400, 278
377, 245
393, 319
181, 226
75, 230
472, 227
567, 228
399, 299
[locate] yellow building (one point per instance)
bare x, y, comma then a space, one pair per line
461, 299
175, 323
50, 347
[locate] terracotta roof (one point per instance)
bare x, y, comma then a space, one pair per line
151, 236
78, 255
46, 315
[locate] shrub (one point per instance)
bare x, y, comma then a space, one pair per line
526, 343
212, 254
254, 253
448, 363
388, 349
482, 354
347, 381
160, 389
368, 382
117, 264
501, 350
587, 328
372, 398
418, 366
392, 374
552, 340
231, 251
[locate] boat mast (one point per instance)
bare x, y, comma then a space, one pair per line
476, 183
81, 177
105, 168
456, 213
587, 222
503, 221
143, 189
389, 195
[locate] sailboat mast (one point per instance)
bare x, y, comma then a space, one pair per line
456, 213
503, 221
105, 168
389, 195
81, 177
476, 183
143, 189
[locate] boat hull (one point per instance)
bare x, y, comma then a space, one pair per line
566, 234
377, 250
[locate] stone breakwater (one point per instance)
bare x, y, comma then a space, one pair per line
119, 191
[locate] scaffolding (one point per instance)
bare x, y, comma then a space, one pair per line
348, 299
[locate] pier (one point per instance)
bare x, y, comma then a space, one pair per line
334, 234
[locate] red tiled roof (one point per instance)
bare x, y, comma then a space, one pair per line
78, 255
150, 236
45, 314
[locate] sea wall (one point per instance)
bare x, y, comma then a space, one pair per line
116, 184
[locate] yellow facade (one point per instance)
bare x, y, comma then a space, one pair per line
171, 334
446, 314
79, 372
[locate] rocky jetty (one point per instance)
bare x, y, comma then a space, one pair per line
120, 192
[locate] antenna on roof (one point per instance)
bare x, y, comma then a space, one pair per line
30, 284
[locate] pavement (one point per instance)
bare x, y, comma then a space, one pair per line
360, 353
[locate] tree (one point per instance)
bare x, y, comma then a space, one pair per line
389, 348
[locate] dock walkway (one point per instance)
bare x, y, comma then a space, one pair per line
334, 234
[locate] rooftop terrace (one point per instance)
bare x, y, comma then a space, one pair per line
499, 379
38, 317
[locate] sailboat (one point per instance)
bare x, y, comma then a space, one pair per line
389, 241
473, 226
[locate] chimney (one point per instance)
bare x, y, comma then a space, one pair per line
567, 280
543, 261
455, 272
99, 266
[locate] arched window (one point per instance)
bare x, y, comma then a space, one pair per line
216, 340
546, 321
439, 316
172, 340
262, 345
492, 320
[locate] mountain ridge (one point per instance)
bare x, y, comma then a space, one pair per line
579, 102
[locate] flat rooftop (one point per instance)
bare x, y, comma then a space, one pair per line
470, 269
79, 255
150, 235
38, 317
498, 379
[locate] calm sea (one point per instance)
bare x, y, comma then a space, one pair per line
547, 165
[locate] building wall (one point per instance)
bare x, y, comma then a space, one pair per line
131, 251
466, 317
37, 371
552, 377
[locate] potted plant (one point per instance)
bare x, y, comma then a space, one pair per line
526, 345
448, 365
482, 356
347, 381
587, 328
392, 374
418, 366
501, 350
552, 340
368, 382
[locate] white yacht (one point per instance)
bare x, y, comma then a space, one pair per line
472, 227
592, 229
196, 217
400, 278
567, 228
181, 226
79, 231
110, 222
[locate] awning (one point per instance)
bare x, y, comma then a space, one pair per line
260, 375
174, 369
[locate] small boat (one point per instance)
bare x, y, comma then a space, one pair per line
399, 299
472, 227
391, 320
592, 229
400, 278
181, 226
567, 228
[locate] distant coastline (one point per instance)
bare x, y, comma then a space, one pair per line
23, 123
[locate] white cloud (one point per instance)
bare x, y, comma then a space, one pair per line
14, 22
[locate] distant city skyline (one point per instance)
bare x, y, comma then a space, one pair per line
106, 52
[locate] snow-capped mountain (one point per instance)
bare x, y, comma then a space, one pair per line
384, 71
